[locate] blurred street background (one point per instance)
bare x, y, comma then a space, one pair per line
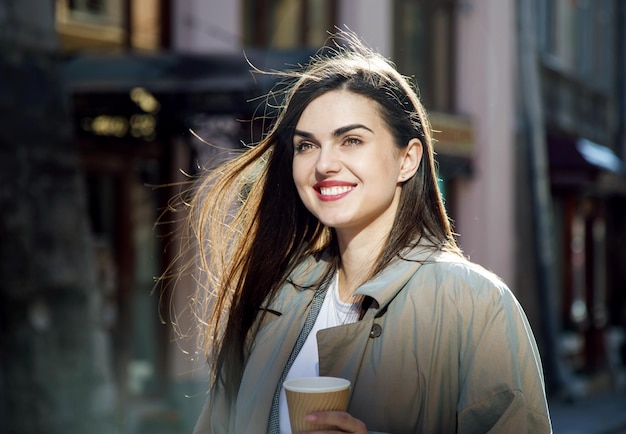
98, 101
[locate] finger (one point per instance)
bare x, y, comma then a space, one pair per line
342, 420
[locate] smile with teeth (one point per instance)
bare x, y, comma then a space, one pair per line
335, 190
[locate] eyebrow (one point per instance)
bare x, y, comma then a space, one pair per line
338, 132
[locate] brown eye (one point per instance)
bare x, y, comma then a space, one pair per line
303, 146
352, 141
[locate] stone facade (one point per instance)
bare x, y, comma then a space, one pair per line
50, 377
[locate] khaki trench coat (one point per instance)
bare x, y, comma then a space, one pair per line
444, 348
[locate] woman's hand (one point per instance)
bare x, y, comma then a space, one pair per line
342, 420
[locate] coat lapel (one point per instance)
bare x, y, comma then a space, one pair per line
273, 344
341, 349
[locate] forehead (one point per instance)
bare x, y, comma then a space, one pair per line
340, 107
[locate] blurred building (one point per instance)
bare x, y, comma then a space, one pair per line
582, 64
143, 72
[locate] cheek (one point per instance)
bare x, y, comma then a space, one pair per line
385, 167
301, 169
299, 177
295, 172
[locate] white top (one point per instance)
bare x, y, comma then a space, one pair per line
333, 312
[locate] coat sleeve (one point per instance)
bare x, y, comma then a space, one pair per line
215, 417
501, 379
203, 423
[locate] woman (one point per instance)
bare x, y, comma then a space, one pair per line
326, 250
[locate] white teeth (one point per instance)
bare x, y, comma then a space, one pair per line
333, 191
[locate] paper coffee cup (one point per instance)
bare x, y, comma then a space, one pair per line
306, 395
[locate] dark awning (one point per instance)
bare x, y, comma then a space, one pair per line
177, 72
183, 84
578, 163
600, 156
582, 155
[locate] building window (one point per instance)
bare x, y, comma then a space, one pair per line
285, 24
112, 24
94, 11
576, 37
424, 48
90, 6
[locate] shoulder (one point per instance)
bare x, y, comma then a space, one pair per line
457, 268
307, 274
449, 276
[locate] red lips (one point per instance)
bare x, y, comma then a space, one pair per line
331, 190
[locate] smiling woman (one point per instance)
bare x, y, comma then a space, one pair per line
348, 171
325, 250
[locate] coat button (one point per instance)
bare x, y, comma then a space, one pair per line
376, 331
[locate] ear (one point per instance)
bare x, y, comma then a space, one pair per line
411, 159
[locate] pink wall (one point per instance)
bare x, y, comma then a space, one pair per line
485, 91
207, 26
371, 20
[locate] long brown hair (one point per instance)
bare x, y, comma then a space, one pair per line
250, 226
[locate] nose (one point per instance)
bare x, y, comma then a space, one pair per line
327, 161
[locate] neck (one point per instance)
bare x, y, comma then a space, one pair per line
358, 259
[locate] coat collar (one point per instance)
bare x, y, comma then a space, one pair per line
290, 307
382, 288
385, 286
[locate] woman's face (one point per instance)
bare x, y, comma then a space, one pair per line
347, 168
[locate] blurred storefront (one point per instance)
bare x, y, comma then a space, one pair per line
133, 117
582, 66
143, 73
146, 118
